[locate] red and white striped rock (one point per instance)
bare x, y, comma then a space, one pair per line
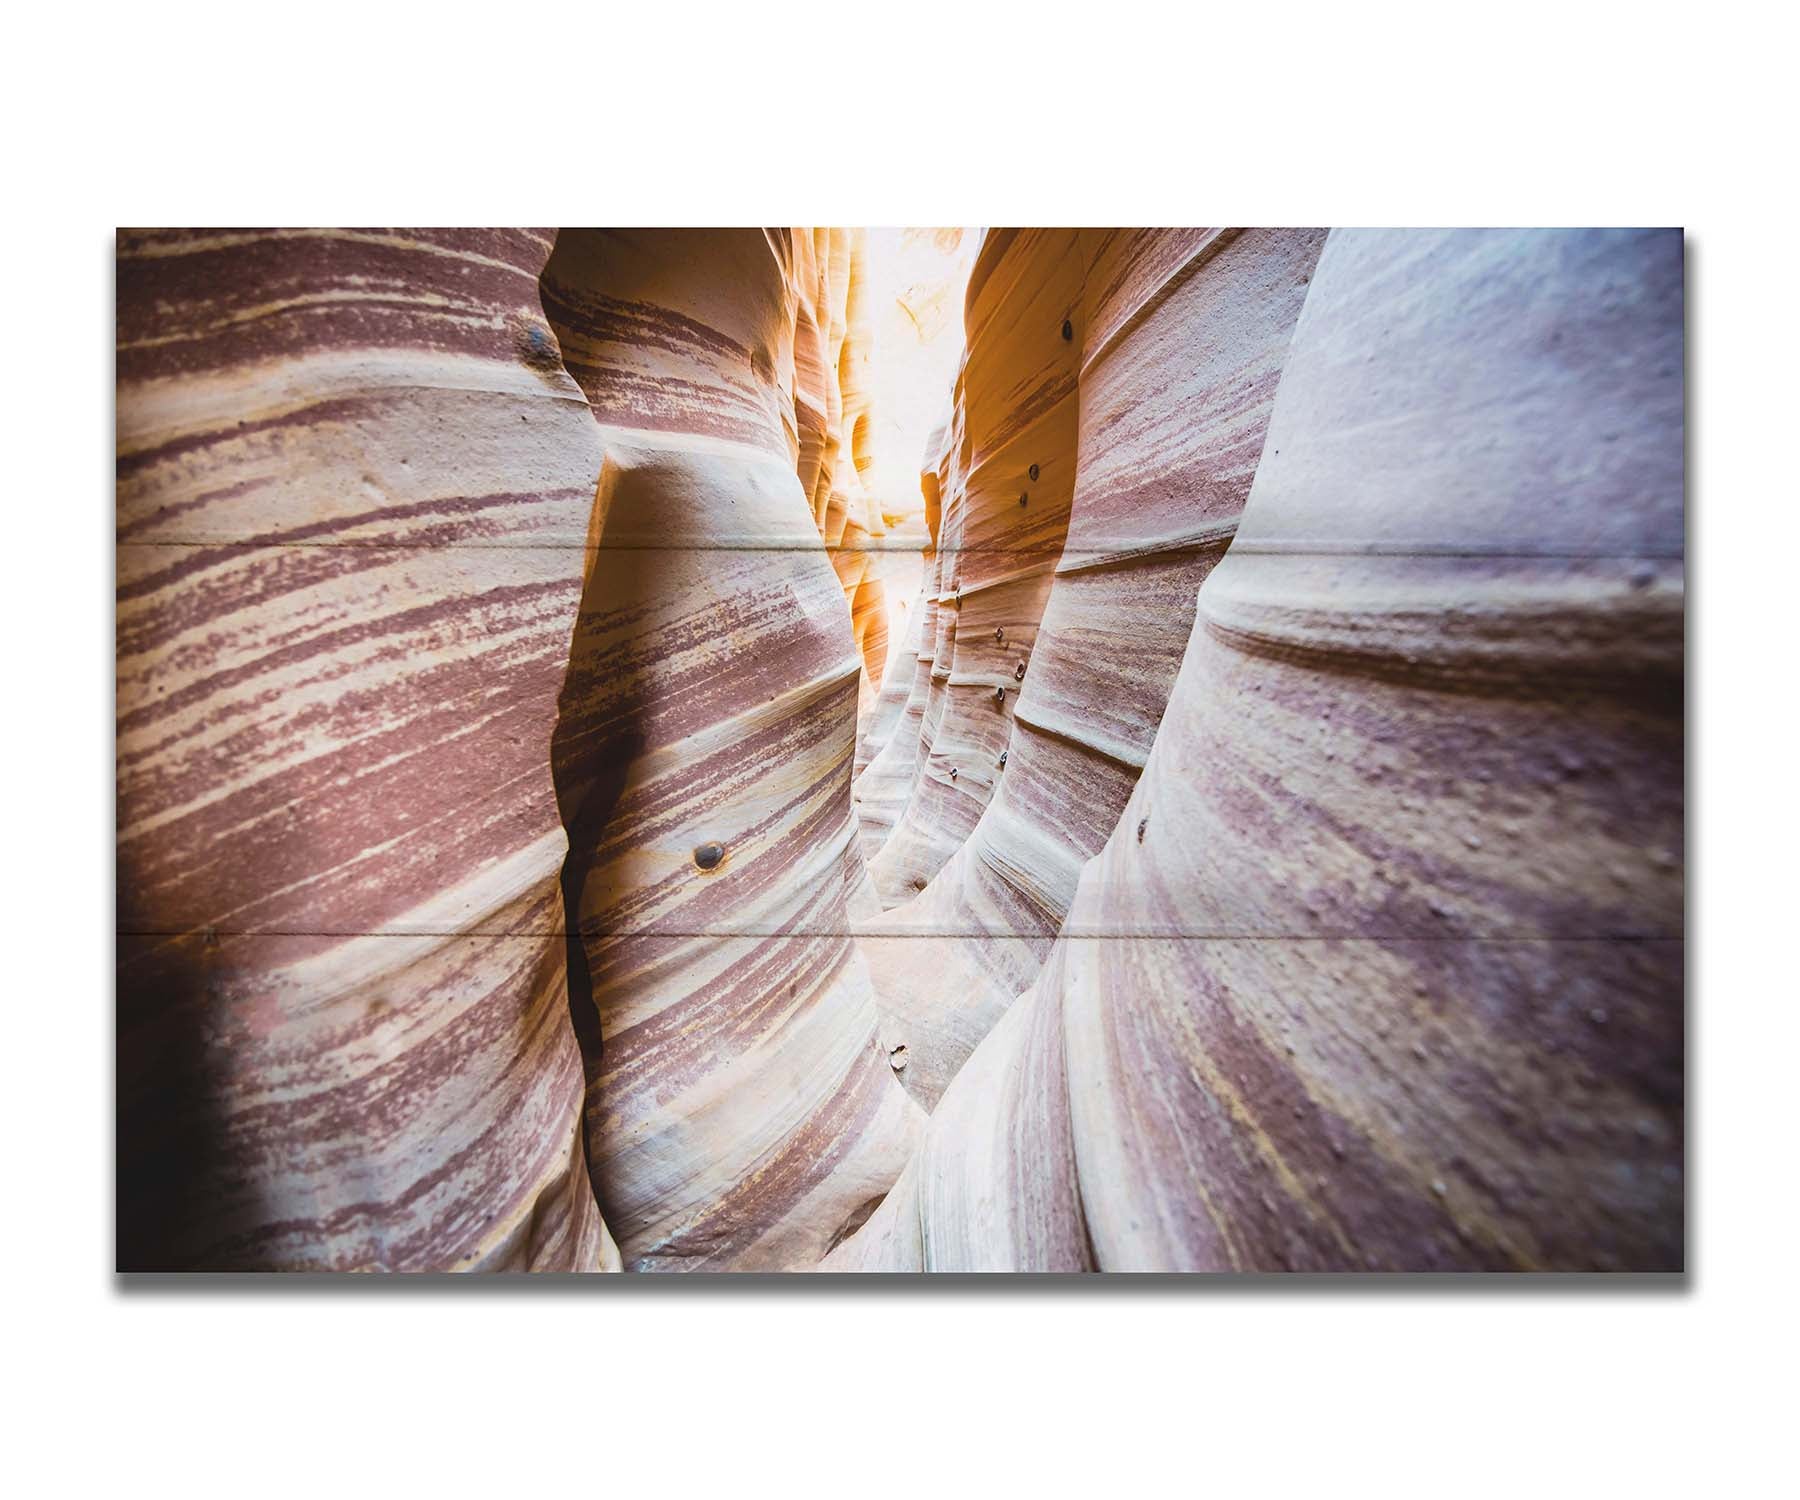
1183, 334
1382, 966
353, 485
741, 1115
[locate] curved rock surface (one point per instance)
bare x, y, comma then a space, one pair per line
884, 786
890, 704
912, 301
821, 290
353, 484
1000, 535
1382, 966
1183, 337
741, 1114
831, 342
1319, 907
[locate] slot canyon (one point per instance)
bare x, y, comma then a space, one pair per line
944, 750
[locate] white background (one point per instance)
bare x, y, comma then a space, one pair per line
1521, 112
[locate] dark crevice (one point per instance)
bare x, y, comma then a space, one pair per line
588, 778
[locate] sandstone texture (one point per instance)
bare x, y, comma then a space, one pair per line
636, 752
741, 1115
1182, 337
998, 539
1381, 967
353, 484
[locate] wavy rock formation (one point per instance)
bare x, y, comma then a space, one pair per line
1382, 966
741, 1114
830, 342
854, 524
911, 300
1276, 794
821, 290
878, 726
1005, 513
884, 786
353, 484
1183, 336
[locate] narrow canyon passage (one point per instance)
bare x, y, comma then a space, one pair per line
901, 750
741, 1114
1379, 966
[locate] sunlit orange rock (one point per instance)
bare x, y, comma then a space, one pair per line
1382, 965
1183, 334
1001, 532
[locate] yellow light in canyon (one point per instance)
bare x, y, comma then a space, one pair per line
916, 279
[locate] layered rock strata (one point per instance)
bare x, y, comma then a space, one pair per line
741, 1114
1319, 909
821, 293
1005, 483
879, 725
354, 480
830, 401
855, 527
884, 786
1183, 334
1382, 965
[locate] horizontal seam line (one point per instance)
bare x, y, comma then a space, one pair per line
1099, 553
1219, 937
